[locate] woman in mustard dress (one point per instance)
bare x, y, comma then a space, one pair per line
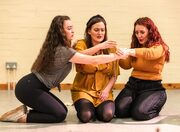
92, 87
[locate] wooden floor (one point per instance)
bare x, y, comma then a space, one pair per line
168, 121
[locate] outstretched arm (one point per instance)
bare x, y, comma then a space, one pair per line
151, 53
99, 59
96, 48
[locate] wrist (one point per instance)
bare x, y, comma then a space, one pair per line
114, 55
132, 52
98, 47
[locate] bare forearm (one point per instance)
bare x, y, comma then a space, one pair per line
91, 51
104, 45
111, 83
99, 59
105, 92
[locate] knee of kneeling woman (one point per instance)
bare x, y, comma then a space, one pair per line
85, 116
107, 117
61, 116
140, 115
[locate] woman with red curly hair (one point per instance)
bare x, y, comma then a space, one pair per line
143, 96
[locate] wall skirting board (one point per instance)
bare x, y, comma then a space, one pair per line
68, 86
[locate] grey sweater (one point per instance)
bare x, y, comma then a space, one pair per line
60, 68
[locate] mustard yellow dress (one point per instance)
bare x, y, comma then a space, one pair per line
90, 80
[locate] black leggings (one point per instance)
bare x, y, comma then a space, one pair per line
46, 107
140, 99
86, 110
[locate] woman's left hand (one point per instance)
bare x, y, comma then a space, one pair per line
103, 95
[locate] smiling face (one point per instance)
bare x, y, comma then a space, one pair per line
68, 29
97, 33
141, 33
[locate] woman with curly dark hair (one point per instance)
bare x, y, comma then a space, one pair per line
52, 65
143, 96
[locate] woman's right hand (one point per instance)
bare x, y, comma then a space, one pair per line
121, 54
107, 44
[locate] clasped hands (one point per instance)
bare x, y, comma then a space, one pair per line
125, 52
122, 53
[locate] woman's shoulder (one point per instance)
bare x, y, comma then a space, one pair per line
157, 47
81, 41
80, 44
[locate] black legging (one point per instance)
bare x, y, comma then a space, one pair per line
140, 99
86, 110
46, 107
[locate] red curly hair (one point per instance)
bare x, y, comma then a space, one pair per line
154, 37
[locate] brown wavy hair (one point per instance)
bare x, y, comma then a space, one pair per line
154, 37
55, 37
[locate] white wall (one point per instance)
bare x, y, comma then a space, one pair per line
24, 24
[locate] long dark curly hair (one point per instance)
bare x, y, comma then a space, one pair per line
93, 20
154, 37
55, 37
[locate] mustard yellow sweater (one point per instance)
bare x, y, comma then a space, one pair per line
148, 64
